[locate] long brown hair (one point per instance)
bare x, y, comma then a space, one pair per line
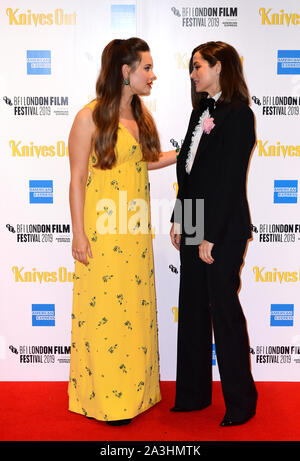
106, 112
232, 81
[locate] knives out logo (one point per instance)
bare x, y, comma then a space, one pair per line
274, 276
151, 105
278, 19
277, 150
62, 275
175, 313
175, 187
58, 18
182, 60
18, 149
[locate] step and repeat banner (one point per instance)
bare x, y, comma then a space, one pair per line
50, 62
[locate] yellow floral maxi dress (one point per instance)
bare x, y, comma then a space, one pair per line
114, 369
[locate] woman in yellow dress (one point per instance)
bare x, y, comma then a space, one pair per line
114, 369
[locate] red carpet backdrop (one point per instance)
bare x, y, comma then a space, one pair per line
50, 61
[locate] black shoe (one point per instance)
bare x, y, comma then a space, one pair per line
227, 421
189, 409
119, 422
179, 409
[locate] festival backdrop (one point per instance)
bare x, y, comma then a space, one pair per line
50, 61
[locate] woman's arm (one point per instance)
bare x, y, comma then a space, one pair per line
80, 140
165, 159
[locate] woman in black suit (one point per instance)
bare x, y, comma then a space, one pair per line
211, 169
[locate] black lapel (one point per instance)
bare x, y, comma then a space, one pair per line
219, 115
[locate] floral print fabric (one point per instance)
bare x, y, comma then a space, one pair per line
114, 369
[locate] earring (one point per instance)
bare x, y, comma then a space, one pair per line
126, 81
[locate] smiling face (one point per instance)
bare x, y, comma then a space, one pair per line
142, 76
205, 78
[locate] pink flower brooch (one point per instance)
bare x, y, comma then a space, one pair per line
208, 125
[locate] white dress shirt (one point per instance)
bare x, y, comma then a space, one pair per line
196, 136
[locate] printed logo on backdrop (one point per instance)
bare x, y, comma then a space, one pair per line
276, 233
282, 315
28, 354
17, 17
38, 62
277, 354
175, 313
288, 62
277, 105
265, 275
214, 355
150, 103
62, 275
270, 149
38, 105
41, 233
173, 269
40, 191
123, 19
30, 150
196, 17
43, 315
285, 191
269, 17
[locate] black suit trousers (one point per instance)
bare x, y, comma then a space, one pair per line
208, 301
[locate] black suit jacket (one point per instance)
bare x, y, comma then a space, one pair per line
218, 174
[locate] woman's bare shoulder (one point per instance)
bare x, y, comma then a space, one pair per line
84, 120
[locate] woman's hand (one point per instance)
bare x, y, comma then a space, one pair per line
81, 248
205, 249
175, 235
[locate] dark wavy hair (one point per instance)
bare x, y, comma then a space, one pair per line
106, 112
232, 81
